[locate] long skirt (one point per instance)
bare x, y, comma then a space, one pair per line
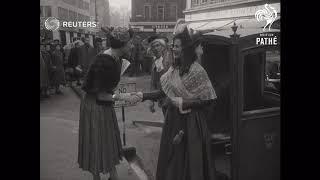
99, 148
191, 159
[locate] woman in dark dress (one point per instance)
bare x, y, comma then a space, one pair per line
185, 142
99, 149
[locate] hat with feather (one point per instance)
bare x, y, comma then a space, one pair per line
189, 37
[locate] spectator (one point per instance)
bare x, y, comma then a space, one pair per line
74, 61
160, 65
67, 49
98, 45
44, 79
58, 76
86, 54
47, 67
57, 41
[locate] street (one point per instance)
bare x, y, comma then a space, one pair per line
59, 116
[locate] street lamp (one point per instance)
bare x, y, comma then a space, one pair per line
234, 29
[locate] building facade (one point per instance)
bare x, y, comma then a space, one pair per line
124, 16
100, 8
67, 10
156, 15
220, 14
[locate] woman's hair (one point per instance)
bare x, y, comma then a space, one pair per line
116, 43
188, 54
101, 76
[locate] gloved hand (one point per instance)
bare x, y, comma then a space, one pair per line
178, 137
135, 97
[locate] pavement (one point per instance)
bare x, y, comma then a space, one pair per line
59, 117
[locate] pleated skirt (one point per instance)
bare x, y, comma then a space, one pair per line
99, 148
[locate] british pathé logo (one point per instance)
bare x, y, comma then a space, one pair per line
267, 39
268, 14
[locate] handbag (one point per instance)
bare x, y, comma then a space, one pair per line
104, 98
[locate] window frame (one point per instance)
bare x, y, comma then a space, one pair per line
175, 13
163, 13
144, 12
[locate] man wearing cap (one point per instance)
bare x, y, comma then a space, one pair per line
160, 65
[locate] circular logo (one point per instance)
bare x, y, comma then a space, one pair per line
52, 23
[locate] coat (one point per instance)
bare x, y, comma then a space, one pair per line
86, 55
58, 75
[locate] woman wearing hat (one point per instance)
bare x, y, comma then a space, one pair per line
99, 149
185, 142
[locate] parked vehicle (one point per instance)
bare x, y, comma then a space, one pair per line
245, 122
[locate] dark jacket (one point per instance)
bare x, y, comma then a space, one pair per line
103, 75
86, 55
73, 59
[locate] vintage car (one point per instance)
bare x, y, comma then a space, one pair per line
245, 122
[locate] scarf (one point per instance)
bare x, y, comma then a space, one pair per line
193, 85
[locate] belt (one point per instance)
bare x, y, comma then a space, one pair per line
104, 98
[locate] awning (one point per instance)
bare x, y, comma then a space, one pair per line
227, 24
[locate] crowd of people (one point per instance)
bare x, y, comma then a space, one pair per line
62, 65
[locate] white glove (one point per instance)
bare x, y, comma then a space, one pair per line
177, 101
132, 98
